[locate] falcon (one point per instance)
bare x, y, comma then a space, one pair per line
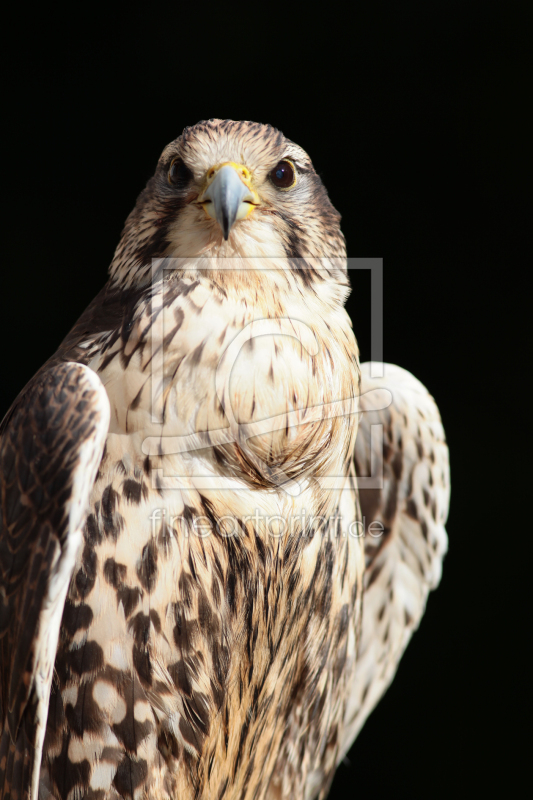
201, 596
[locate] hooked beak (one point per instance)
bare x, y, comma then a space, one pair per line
228, 196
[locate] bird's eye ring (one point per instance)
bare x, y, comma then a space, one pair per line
178, 174
283, 176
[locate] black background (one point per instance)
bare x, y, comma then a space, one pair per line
414, 114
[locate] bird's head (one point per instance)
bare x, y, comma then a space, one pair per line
230, 189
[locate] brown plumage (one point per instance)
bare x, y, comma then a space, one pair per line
211, 642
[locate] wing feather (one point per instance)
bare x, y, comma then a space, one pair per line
405, 549
51, 443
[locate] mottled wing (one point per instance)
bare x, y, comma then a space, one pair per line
405, 546
51, 444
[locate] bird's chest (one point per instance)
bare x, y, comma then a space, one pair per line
231, 387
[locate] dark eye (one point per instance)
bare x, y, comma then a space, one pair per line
179, 174
282, 175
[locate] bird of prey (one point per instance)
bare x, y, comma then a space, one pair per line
197, 599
